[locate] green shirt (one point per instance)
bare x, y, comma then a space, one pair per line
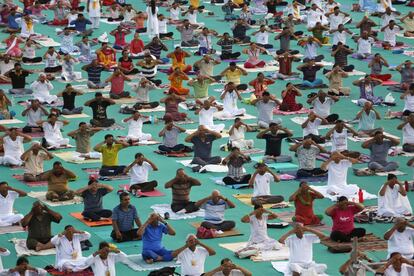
201, 89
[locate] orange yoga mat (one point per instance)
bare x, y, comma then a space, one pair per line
91, 223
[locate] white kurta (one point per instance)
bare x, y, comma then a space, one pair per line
7, 217
13, 149
53, 134
102, 267
41, 92
337, 179
258, 235
230, 108
238, 140
135, 130
69, 253
94, 8
152, 23
393, 204
205, 118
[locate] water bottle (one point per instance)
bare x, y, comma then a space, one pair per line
360, 196
406, 186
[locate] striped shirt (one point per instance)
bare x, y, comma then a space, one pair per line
214, 212
125, 220
181, 189
94, 74
235, 166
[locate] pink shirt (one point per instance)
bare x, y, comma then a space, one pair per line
117, 84
343, 220
120, 39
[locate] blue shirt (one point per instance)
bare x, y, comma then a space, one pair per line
151, 240
80, 25
125, 220
11, 21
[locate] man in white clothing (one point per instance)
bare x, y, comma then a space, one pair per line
23, 268
68, 250
227, 267
260, 182
397, 265
139, 170
301, 250
7, 197
103, 261
135, 124
41, 90
206, 113
407, 128
13, 147
392, 199
53, 137
237, 132
192, 256
400, 238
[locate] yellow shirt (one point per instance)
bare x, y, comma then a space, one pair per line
195, 3
233, 76
110, 155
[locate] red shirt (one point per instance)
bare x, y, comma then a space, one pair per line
117, 84
285, 65
120, 39
136, 46
343, 220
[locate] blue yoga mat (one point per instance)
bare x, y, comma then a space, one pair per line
276, 166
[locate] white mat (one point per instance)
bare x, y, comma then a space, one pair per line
365, 138
70, 81
267, 68
22, 250
392, 172
85, 89
33, 63
74, 116
324, 63
356, 73
282, 267
159, 108
219, 116
224, 133
207, 168
11, 121
264, 256
402, 35
42, 197
48, 43
11, 229
137, 263
163, 208
323, 191
397, 151
301, 120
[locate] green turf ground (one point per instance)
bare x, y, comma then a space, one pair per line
167, 166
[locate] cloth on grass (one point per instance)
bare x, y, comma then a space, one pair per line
68, 146
75, 116
11, 229
301, 120
282, 267
356, 73
390, 172
69, 156
264, 256
351, 197
219, 181
58, 103
247, 199
365, 138
288, 215
137, 263
394, 151
219, 116
389, 83
22, 250
267, 68
10, 121
252, 151
154, 193
184, 122
370, 243
41, 196
79, 216
224, 133
141, 142
166, 208
207, 168
155, 109
277, 111
220, 234
55, 272
30, 184
47, 42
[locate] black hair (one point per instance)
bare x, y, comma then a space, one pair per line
122, 195
342, 198
138, 154
108, 136
82, 123
391, 176
103, 245
68, 226
22, 260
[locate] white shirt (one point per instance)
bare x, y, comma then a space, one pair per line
29, 52
301, 250
312, 127
175, 13
135, 127
409, 103
365, 45
402, 242
33, 116
337, 172
68, 250
6, 203
311, 50
238, 133
406, 270
339, 37
205, 116
192, 17
39, 272
390, 35
101, 267
192, 263
335, 21
262, 38
258, 230
52, 132
162, 26
385, 19
41, 90
261, 186
340, 140
234, 272
13, 148
51, 60
139, 173
230, 101
408, 134
322, 109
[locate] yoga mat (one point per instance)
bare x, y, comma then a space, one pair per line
22, 250
67, 156
277, 111
10, 121
55, 272
76, 116
230, 233
273, 255
137, 263
219, 116
42, 197
389, 83
370, 243
30, 184
172, 154
247, 200
288, 215
155, 193
166, 208
79, 216
219, 181
276, 166
314, 179
95, 171
11, 229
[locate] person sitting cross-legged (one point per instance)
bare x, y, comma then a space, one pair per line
92, 199
307, 151
124, 216
227, 267
274, 136
23, 268
152, 232
407, 128
139, 170
69, 250
57, 183
236, 173
170, 134
33, 159
342, 214
8, 195
103, 260
303, 199
110, 149
400, 238
214, 207
38, 222
300, 246
397, 265
260, 182
392, 199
